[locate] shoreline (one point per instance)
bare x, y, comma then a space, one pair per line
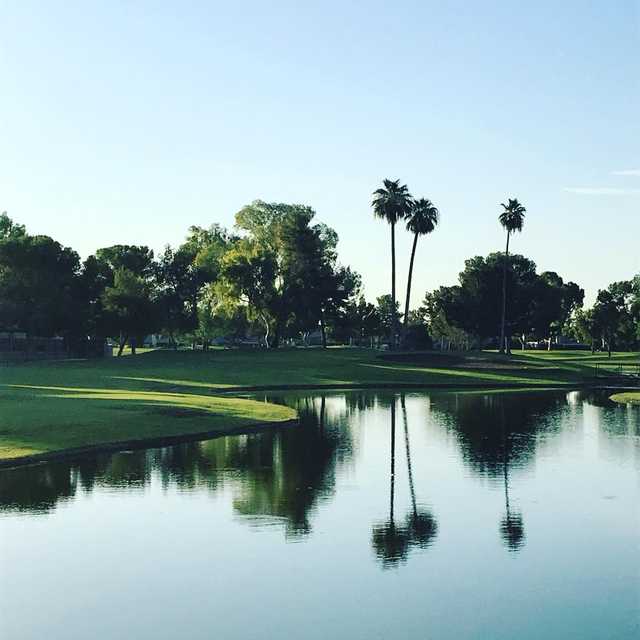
169, 440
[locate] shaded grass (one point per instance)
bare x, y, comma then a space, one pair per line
52, 406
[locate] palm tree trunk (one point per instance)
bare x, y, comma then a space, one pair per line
504, 298
394, 318
408, 300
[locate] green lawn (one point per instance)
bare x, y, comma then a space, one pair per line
47, 407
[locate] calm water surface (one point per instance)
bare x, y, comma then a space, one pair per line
416, 515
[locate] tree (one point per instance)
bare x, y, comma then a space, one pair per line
474, 304
422, 220
306, 284
392, 203
553, 303
512, 220
388, 312
137, 259
130, 307
583, 327
10, 229
358, 321
248, 277
38, 285
612, 316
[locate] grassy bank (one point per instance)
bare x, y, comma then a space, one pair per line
630, 397
46, 407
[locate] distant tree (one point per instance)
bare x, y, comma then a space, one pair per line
474, 304
359, 321
583, 327
388, 312
612, 316
176, 286
10, 229
38, 283
512, 220
392, 203
133, 258
553, 303
131, 311
422, 220
249, 277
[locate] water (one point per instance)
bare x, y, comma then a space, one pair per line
508, 516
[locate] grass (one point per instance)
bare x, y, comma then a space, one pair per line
631, 397
46, 407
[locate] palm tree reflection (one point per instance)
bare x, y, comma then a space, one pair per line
391, 541
421, 523
511, 525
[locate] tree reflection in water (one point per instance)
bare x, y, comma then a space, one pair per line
391, 541
279, 474
512, 524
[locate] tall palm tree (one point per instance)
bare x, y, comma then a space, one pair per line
422, 220
392, 203
512, 220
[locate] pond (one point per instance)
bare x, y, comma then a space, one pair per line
445, 515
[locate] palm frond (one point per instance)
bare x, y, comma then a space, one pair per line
392, 202
512, 216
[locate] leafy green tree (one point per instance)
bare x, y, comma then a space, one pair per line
249, 277
583, 327
38, 285
292, 265
392, 203
359, 321
137, 259
388, 311
553, 303
474, 304
10, 229
612, 316
422, 220
512, 220
130, 308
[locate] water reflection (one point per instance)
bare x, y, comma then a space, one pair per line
392, 541
281, 476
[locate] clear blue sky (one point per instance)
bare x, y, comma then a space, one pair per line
126, 122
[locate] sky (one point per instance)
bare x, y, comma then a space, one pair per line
127, 122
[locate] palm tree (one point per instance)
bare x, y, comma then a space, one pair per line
512, 219
422, 219
392, 203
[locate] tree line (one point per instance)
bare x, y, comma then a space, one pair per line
501, 299
276, 276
